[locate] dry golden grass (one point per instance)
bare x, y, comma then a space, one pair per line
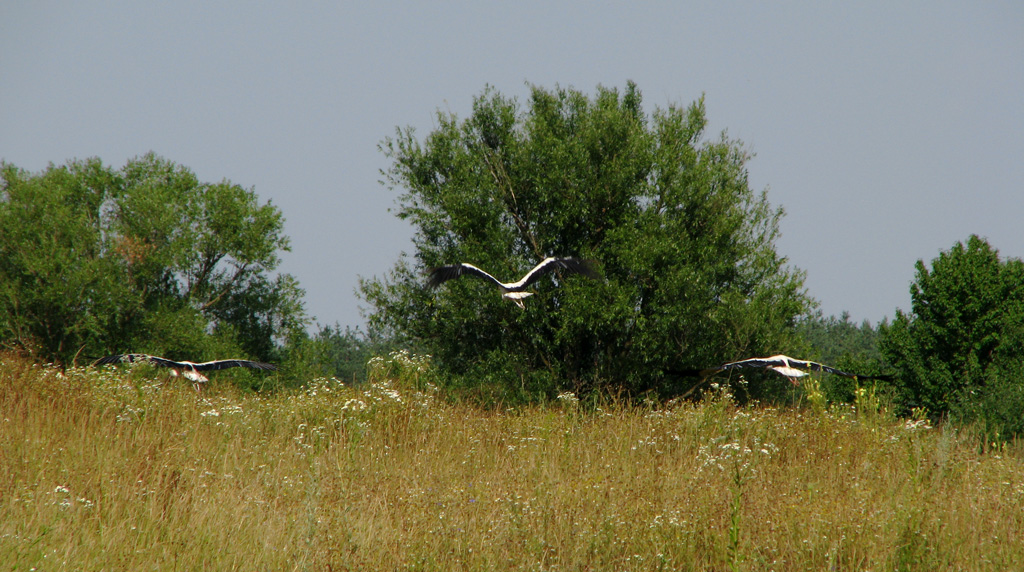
105, 470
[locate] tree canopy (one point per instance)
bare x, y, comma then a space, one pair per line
965, 332
145, 258
686, 248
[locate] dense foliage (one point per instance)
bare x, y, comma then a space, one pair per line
834, 339
96, 260
961, 349
686, 248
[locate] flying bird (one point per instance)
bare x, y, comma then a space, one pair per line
514, 291
791, 368
188, 370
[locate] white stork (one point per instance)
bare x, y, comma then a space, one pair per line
514, 291
188, 370
792, 368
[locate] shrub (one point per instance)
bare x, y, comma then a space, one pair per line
959, 350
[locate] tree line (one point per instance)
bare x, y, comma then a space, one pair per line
96, 260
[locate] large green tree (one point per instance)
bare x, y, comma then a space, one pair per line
145, 258
686, 248
964, 335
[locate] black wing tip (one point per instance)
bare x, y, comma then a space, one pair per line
107, 360
263, 365
234, 362
581, 266
434, 278
121, 358
684, 372
588, 269
438, 275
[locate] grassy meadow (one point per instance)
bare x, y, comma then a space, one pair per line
117, 470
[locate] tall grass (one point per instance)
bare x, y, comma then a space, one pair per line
105, 470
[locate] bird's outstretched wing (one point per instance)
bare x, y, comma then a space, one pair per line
574, 265
119, 358
814, 366
226, 363
790, 367
834, 371
136, 358
442, 274
164, 362
784, 365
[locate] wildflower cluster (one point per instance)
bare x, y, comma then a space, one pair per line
402, 368
568, 400
726, 454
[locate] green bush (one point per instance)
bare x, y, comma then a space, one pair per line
959, 351
147, 258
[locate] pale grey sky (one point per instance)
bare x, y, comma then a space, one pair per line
887, 130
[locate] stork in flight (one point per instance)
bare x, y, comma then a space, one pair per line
791, 368
514, 291
188, 370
